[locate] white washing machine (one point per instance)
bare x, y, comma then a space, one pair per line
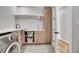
9, 44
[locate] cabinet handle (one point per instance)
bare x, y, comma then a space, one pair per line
56, 32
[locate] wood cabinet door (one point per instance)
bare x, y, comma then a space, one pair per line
42, 37
47, 24
21, 36
39, 37
45, 36
36, 37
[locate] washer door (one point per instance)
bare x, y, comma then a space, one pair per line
13, 48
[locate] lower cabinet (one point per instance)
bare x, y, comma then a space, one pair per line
40, 37
34, 37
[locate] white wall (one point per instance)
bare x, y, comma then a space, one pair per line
53, 25
75, 30
7, 20
68, 25
64, 23
28, 17
30, 24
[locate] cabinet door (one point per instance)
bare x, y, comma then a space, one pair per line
36, 37
47, 24
21, 36
40, 37
45, 36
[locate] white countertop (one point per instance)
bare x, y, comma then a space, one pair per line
7, 30
33, 29
11, 30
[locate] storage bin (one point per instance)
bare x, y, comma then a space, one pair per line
30, 40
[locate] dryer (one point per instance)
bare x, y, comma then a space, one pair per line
9, 43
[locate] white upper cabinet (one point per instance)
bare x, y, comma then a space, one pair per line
25, 10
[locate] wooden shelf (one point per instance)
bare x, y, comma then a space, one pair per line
29, 37
27, 17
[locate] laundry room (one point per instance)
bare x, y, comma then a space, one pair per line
25, 29
39, 29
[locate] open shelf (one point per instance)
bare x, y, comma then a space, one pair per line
29, 36
27, 16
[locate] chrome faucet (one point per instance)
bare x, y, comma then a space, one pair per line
17, 26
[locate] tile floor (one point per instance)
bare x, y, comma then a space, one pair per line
46, 48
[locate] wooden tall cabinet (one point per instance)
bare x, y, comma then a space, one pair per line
45, 36
48, 24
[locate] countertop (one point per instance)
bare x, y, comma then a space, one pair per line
11, 30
